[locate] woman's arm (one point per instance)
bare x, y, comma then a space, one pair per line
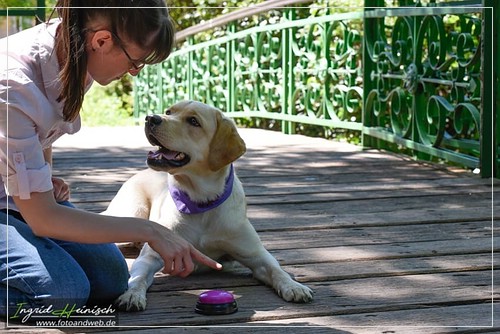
49, 219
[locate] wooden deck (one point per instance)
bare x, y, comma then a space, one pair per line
388, 244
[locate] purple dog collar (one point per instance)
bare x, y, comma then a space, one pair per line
186, 205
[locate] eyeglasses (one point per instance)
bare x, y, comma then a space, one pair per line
136, 64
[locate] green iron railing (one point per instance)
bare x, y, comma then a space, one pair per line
37, 11
419, 78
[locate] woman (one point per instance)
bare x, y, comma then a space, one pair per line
52, 254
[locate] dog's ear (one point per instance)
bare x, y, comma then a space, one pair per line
226, 145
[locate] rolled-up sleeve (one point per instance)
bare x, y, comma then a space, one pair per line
24, 169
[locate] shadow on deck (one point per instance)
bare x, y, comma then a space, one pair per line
388, 244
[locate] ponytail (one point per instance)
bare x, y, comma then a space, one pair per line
71, 43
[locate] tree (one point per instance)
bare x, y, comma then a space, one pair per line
187, 13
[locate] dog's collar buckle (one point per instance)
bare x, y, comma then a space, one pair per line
185, 205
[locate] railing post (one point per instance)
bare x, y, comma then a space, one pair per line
230, 67
190, 70
136, 83
490, 63
159, 88
173, 61
288, 75
371, 29
40, 10
496, 89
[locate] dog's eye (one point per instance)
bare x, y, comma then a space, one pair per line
167, 112
193, 121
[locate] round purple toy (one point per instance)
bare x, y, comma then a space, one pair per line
216, 302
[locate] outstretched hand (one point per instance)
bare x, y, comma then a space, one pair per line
179, 255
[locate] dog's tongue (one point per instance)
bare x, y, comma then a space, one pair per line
165, 154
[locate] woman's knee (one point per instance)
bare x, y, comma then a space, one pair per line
104, 266
114, 278
119, 274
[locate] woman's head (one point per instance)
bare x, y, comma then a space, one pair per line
107, 39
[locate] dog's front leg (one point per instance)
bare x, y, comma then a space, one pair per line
249, 251
267, 269
141, 277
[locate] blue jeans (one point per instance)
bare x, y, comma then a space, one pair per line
43, 272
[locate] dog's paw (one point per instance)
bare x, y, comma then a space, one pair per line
295, 292
132, 301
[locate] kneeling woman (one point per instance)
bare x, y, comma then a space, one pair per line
52, 254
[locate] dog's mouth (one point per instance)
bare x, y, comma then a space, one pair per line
164, 157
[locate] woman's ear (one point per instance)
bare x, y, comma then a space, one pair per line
102, 40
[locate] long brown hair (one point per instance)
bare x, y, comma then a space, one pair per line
145, 18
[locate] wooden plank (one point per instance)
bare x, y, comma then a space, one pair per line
276, 220
386, 251
385, 205
461, 316
383, 236
471, 193
12, 329
246, 169
287, 238
306, 185
283, 239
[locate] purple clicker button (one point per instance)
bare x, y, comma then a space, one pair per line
216, 297
216, 302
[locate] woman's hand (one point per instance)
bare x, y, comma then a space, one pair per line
178, 254
61, 189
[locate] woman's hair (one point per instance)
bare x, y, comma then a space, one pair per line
135, 19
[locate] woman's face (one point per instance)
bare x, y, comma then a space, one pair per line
108, 57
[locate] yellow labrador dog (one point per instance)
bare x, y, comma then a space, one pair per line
191, 187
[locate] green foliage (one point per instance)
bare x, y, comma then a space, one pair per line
17, 3
110, 105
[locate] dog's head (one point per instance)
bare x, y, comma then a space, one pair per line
192, 134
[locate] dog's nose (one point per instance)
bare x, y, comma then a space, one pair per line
153, 120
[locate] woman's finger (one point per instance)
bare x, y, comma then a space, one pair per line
203, 259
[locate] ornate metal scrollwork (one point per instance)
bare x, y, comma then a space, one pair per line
410, 78
426, 70
328, 71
